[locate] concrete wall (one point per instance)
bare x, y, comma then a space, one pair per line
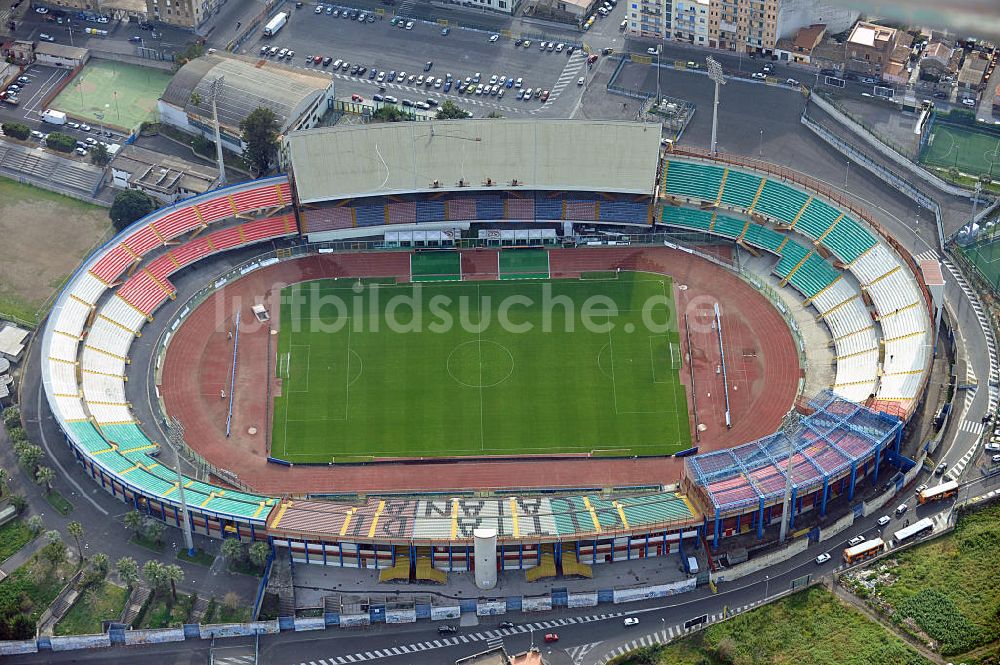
845, 522
582, 599
234, 629
449, 612
12, 647
537, 604
657, 591
315, 623
761, 562
71, 642
154, 636
490, 608
401, 616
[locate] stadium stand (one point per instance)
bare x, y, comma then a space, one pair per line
837, 444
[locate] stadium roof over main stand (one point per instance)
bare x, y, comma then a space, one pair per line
454, 155
838, 434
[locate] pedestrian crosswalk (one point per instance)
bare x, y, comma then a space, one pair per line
489, 638
929, 255
972, 427
578, 653
992, 378
247, 659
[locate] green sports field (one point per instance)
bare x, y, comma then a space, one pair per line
515, 367
124, 94
968, 150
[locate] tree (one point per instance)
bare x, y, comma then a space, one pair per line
54, 551
44, 476
17, 435
17, 130
133, 521
231, 600
99, 155
99, 562
11, 417
29, 456
450, 111
233, 550
4, 481
130, 205
61, 142
260, 133
128, 571
196, 99
259, 552
155, 574
18, 501
173, 574
35, 524
154, 529
75, 529
391, 113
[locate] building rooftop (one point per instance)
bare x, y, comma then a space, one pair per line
166, 173
246, 85
457, 155
807, 38
60, 50
869, 34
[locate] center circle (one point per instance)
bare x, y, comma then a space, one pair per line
480, 363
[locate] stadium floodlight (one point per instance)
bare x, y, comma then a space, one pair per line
790, 426
215, 92
715, 73
175, 435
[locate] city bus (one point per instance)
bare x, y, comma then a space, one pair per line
918, 527
942, 491
865, 550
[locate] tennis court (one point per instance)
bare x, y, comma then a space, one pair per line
970, 151
479, 368
125, 95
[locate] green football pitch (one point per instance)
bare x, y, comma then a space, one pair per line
452, 369
968, 150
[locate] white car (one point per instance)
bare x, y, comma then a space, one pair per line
41, 10
103, 19
651, 50
519, 82
282, 53
759, 75
856, 540
822, 558
494, 38
579, 81
560, 47
409, 25
791, 82
882, 521
631, 621
45, 37
968, 102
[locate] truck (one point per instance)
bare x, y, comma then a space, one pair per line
275, 24
53, 117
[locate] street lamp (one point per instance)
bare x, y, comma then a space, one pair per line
760, 149
847, 172
715, 74
767, 582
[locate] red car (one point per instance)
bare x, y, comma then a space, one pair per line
551, 637
545, 96
357, 98
317, 59
592, 59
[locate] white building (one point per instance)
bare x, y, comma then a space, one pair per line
690, 22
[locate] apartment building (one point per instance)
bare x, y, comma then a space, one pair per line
753, 26
690, 21
182, 13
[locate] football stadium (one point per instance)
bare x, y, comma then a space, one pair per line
423, 335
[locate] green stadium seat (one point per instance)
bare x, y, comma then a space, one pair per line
816, 219
766, 238
849, 240
741, 188
780, 201
690, 218
694, 180
730, 227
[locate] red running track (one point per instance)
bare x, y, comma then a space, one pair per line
761, 361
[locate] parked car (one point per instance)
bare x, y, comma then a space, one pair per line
357, 98
791, 81
372, 74
968, 101
822, 558
882, 521
545, 96
409, 25
445, 32
759, 75
377, 98
45, 37
941, 468
493, 38
23, 80
631, 621
580, 81
447, 629
506, 625
651, 50
856, 540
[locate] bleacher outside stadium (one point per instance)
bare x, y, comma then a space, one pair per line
116, 291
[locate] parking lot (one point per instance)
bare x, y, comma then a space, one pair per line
386, 47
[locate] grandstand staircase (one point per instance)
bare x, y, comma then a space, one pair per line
571, 567
546, 568
280, 583
140, 594
400, 572
425, 570
199, 609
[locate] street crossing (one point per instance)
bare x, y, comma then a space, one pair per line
489, 638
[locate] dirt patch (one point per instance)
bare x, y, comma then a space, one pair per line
43, 237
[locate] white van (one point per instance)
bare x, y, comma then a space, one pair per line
624, 24
901, 508
692, 565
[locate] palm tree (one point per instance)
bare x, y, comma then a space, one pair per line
155, 574
100, 563
75, 529
4, 481
174, 574
259, 552
128, 570
133, 521
233, 550
44, 476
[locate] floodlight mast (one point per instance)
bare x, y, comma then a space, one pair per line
790, 426
175, 435
215, 92
716, 75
